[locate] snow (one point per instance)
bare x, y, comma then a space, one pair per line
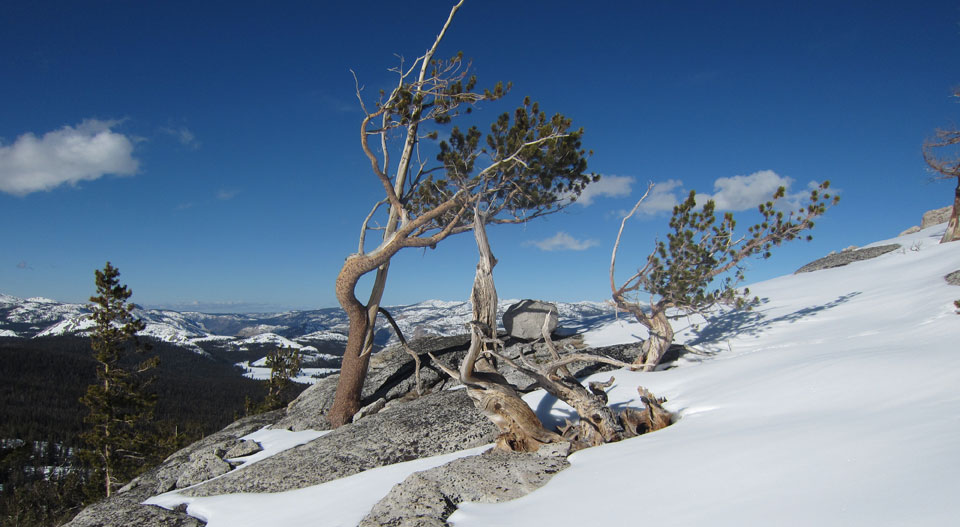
342, 502
271, 338
324, 335
837, 405
68, 326
259, 371
275, 441
834, 402
7, 333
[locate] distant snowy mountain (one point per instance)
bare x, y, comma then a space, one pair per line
323, 331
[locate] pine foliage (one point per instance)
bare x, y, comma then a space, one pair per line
942, 154
284, 365
701, 247
700, 263
118, 437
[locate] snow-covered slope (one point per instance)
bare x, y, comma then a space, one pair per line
835, 403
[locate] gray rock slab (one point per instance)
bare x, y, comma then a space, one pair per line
243, 448
953, 278
911, 230
124, 508
390, 376
847, 257
125, 512
202, 468
936, 217
437, 423
430, 497
524, 320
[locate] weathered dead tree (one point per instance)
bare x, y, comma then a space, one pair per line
496, 398
679, 274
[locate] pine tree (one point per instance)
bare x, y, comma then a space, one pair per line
942, 154
284, 365
121, 409
528, 165
699, 265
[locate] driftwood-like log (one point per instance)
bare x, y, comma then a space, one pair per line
653, 417
493, 395
520, 428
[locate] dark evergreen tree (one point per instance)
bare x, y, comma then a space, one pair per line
284, 365
118, 436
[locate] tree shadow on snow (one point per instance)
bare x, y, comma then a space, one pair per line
740, 322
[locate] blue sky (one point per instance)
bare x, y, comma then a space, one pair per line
210, 150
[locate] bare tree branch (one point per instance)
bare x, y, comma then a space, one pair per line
366, 226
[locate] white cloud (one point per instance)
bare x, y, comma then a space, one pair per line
562, 242
184, 135
610, 186
227, 194
661, 198
68, 155
746, 192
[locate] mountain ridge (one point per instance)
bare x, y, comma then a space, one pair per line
313, 331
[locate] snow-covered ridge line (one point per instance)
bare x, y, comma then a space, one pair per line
42, 317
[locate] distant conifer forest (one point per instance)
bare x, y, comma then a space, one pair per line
41, 416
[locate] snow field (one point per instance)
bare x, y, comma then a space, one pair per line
835, 402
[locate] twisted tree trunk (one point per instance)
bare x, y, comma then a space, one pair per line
657, 344
353, 368
953, 224
520, 428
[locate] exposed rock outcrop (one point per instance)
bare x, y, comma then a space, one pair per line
936, 217
244, 448
930, 218
847, 257
407, 427
124, 508
437, 423
428, 498
201, 468
524, 320
391, 376
953, 278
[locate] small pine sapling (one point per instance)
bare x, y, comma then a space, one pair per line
700, 263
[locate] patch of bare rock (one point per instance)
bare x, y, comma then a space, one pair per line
931, 218
124, 508
437, 423
953, 278
846, 257
428, 498
401, 423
